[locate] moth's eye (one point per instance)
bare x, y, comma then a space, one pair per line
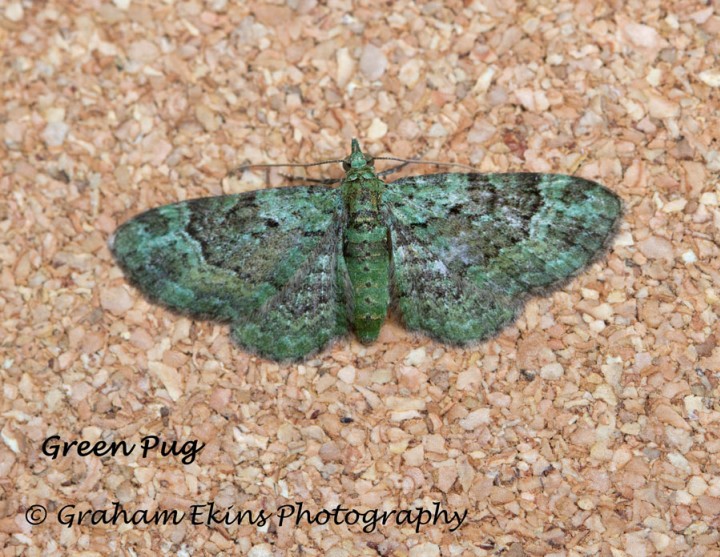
346, 166
370, 161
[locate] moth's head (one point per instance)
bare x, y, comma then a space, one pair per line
357, 159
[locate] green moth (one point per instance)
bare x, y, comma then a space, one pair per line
293, 268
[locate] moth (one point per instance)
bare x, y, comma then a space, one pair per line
457, 254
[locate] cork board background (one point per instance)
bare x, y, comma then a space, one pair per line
589, 427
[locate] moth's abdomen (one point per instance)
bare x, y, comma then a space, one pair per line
367, 257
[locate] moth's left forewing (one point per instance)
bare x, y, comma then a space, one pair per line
476, 245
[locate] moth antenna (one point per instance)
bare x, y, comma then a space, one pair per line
423, 161
244, 167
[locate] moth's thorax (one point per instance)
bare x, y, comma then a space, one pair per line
362, 191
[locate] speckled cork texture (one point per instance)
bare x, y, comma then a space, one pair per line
589, 427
